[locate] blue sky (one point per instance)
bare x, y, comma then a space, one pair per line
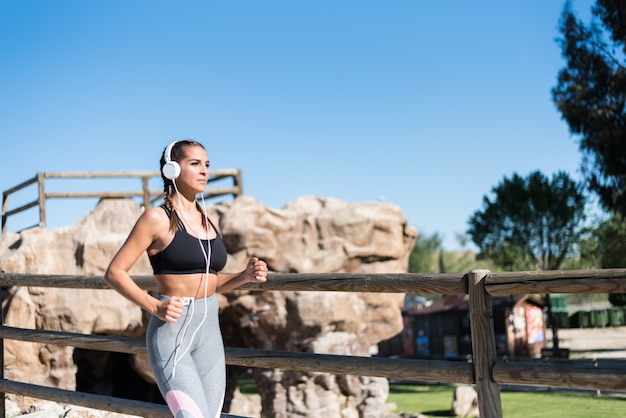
426, 105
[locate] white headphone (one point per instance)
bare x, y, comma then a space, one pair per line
171, 169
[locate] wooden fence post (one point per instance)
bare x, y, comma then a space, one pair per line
238, 183
5, 206
42, 199
484, 354
3, 401
146, 193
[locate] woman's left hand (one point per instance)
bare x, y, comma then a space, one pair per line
256, 270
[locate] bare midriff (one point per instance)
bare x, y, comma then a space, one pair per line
186, 285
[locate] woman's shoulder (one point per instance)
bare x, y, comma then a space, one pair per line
155, 216
213, 221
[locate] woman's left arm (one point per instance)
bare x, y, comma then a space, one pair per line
255, 272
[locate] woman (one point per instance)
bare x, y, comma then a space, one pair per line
183, 338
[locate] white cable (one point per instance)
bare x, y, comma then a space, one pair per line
182, 338
207, 257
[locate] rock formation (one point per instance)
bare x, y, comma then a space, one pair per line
310, 234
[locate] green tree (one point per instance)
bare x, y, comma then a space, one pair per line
591, 96
532, 223
610, 247
588, 256
428, 256
423, 257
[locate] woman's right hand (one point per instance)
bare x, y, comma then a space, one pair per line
170, 309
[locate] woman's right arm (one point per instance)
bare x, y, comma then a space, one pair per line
139, 240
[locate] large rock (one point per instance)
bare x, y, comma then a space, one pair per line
465, 402
308, 235
84, 249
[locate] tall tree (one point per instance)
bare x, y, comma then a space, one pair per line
533, 223
591, 96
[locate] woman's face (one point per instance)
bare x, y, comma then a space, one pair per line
194, 168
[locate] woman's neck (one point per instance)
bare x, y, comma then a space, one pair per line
182, 203
187, 212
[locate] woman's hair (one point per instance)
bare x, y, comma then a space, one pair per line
177, 153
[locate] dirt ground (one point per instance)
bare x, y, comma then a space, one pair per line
591, 343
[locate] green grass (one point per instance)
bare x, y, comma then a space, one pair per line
431, 400
436, 401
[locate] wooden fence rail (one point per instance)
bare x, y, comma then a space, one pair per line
485, 371
148, 196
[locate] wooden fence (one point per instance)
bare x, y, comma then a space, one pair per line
148, 196
485, 371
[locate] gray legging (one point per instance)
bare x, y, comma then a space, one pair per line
187, 359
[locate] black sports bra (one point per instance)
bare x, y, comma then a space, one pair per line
184, 256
